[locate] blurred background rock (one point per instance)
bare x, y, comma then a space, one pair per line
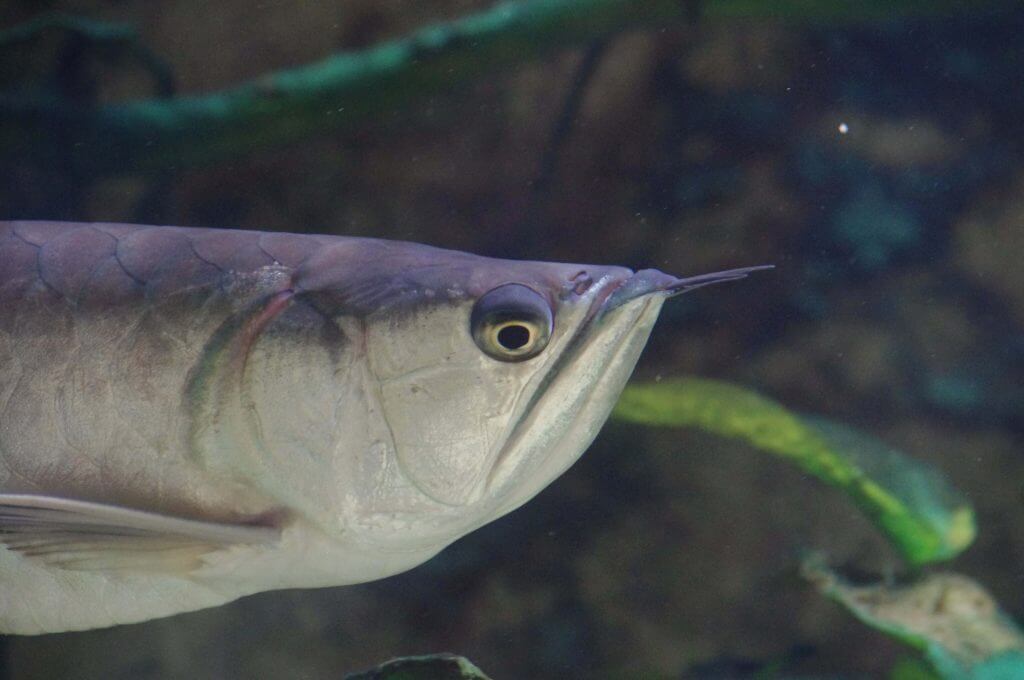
877, 163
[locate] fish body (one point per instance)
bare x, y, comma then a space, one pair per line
188, 416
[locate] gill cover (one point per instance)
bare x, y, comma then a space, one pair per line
448, 400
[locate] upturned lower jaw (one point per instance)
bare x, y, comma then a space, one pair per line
599, 294
617, 363
608, 295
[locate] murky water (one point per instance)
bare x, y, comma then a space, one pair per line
876, 161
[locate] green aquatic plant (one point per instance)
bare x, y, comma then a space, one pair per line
955, 624
348, 87
920, 513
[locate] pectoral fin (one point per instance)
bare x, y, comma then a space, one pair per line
84, 536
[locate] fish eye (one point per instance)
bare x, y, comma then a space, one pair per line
511, 323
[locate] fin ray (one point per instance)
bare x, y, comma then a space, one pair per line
85, 536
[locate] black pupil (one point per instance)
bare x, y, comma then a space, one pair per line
514, 337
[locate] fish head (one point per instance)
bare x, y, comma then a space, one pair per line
492, 376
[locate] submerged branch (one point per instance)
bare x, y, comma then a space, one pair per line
290, 105
281, 107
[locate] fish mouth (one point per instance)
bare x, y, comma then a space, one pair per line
613, 295
638, 284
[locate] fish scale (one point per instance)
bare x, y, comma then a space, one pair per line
67, 258
191, 415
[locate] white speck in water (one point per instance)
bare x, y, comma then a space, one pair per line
843, 128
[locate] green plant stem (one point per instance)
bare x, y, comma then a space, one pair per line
150, 135
910, 502
289, 105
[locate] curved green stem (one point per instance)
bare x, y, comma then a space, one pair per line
151, 135
910, 502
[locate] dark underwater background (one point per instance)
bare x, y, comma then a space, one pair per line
873, 155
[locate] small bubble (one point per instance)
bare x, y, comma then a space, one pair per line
843, 128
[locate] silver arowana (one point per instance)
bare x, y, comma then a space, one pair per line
188, 416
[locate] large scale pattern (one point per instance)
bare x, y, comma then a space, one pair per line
109, 263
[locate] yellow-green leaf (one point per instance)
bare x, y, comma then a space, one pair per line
909, 501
